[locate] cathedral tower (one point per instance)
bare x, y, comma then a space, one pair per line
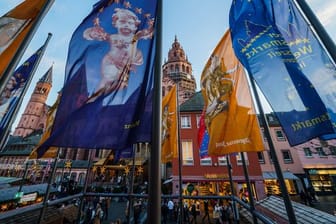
178, 70
35, 114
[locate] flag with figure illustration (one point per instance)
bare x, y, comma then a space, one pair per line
111, 59
169, 140
13, 92
15, 26
279, 49
52, 151
230, 116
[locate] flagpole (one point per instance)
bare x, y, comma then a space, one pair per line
179, 148
85, 187
233, 190
130, 189
25, 88
154, 193
248, 184
318, 27
23, 46
284, 192
46, 196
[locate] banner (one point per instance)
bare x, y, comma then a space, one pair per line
14, 28
107, 98
169, 127
292, 69
14, 89
230, 116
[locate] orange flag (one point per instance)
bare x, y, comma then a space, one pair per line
169, 127
14, 27
52, 151
230, 118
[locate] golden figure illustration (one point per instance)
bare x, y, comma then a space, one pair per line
123, 55
218, 86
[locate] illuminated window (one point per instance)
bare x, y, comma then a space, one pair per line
187, 152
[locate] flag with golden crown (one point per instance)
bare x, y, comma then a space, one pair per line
230, 116
169, 127
14, 28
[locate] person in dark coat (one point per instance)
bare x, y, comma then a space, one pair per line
206, 211
164, 211
193, 212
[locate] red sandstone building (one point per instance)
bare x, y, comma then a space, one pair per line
210, 175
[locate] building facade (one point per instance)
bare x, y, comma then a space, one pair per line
210, 175
310, 166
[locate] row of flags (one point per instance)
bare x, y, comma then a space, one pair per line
106, 101
16, 30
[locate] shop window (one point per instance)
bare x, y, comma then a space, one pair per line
307, 152
332, 150
222, 161
320, 152
261, 157
280, 135
287, 157
239, 159
187, 153
206, 161
185, 121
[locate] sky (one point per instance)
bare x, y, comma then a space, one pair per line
197, 24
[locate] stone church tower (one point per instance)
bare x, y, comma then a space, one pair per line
35, 114
178, 70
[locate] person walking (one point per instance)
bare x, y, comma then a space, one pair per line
193, 212
171, 210
206, 211
164, 211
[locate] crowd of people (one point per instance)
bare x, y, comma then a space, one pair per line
196, 211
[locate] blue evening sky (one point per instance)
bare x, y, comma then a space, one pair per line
197, 24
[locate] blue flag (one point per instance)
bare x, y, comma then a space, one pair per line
107, 97
14, 89
276, 46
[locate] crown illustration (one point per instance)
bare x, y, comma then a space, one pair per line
128, 6
254, 31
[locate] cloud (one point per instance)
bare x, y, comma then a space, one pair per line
325, 11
